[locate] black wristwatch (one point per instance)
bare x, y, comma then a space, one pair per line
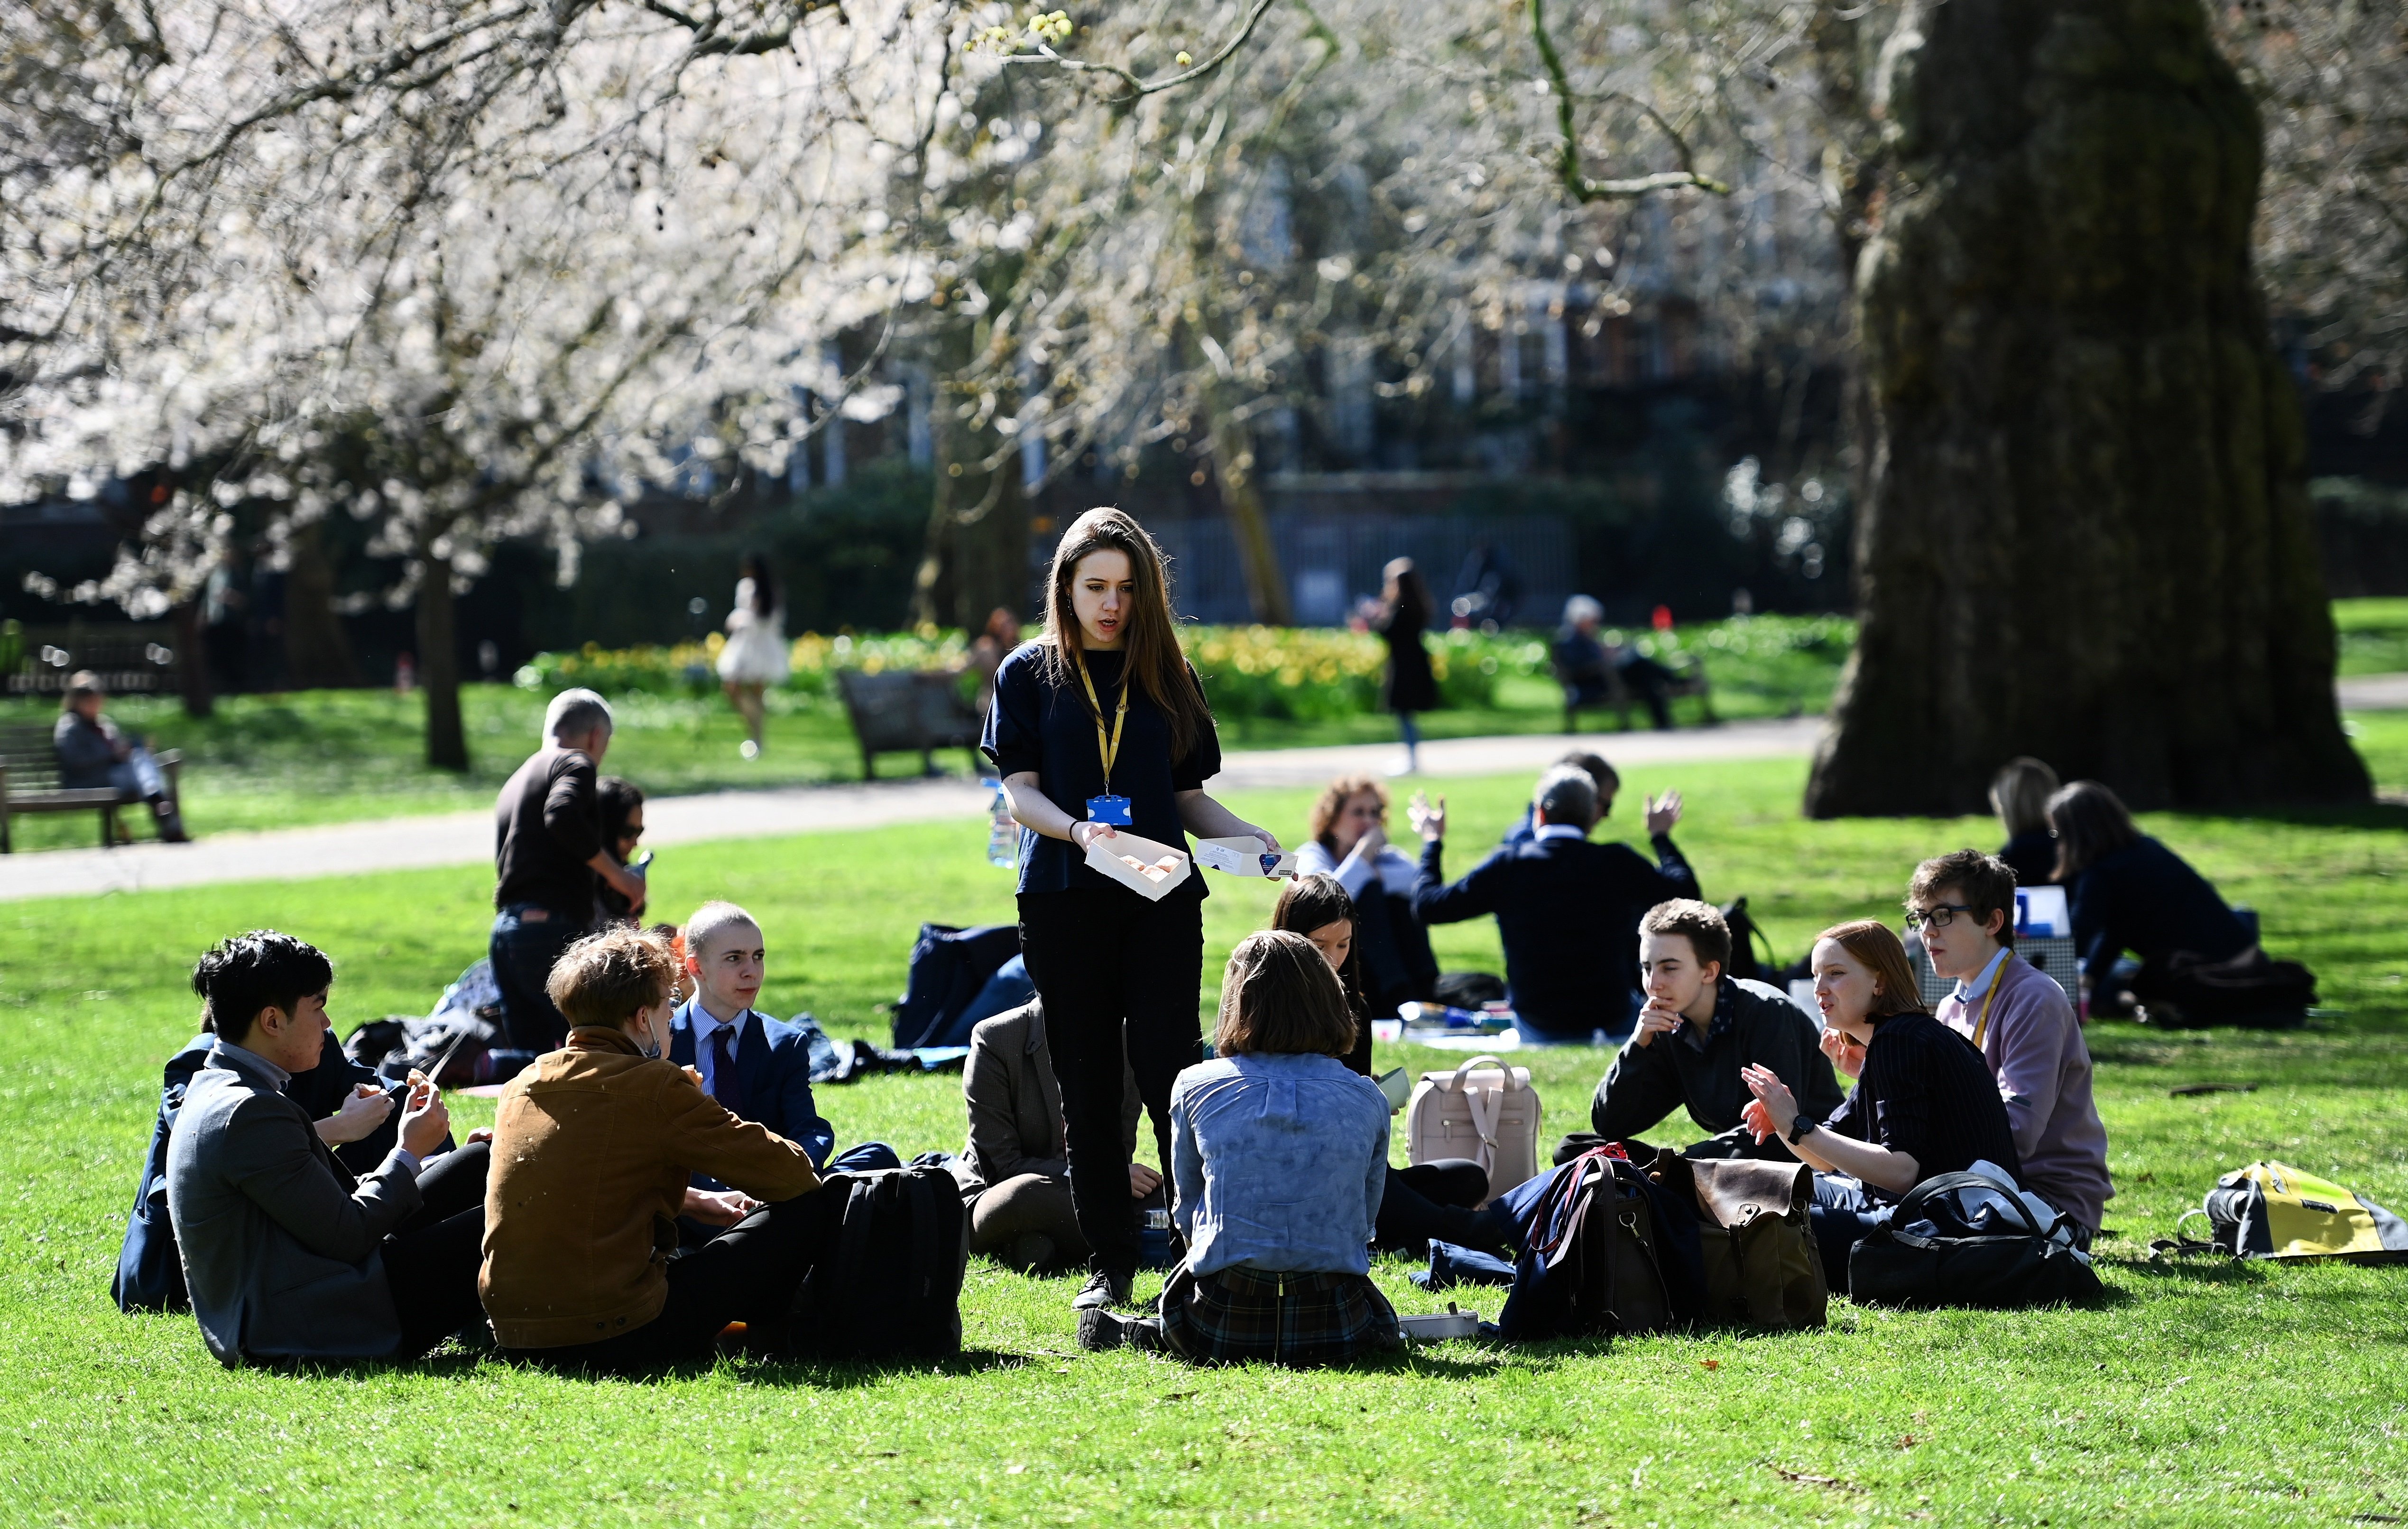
1800, 1128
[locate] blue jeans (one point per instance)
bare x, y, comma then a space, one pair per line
526, 941
1842, 1216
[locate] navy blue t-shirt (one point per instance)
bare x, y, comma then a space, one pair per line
1039, 725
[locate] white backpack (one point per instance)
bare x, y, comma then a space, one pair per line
1491, 1118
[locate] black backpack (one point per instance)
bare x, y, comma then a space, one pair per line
888, 1280
1746, 935
948, 968
1999, 1257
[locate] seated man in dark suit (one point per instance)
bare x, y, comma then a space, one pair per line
1568, 910
757, 1068
286, 1254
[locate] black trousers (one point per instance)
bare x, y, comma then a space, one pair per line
1433, 1199
431, 1259
747, 1273
1113, 969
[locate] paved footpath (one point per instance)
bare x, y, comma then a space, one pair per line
403, 844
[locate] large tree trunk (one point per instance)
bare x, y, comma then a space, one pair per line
192, 659
438, 665
2086, 534
976, 557
317, 652
1250, 522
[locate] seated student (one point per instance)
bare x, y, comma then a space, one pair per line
287, 1256
1696, 1030
2130, 892
1567, 909
1925, 1102
1587, 664
93, 755
1350, 841
352, 1109
757, 1067
1609, 786
621, 804
1278, 1156
2019, 795
593, 1149
2021, 1021
1019, 1157
1437, 1199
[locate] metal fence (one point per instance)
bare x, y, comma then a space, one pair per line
127, 656
1523, 564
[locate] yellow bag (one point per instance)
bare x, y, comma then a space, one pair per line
2271, 1210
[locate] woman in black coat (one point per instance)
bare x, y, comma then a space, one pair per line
1409, 686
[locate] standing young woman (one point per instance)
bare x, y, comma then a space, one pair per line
1410, 686
1100, 725
754, 657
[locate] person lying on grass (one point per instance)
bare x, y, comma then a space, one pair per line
1279, 1155
595, 1147
286, 1255
1697, 1028
2023, 1024
1925, 1102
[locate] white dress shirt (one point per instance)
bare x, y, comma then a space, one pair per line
707, 1025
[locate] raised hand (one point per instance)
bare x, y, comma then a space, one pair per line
1846, 1052
1427, 820
1662, 813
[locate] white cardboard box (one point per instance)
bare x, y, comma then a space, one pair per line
1104, 852
1243, 856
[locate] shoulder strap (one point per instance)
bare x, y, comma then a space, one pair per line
1918, 1199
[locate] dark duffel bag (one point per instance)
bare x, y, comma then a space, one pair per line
1604, 1252
888, 1280
1935, 1253
948, 968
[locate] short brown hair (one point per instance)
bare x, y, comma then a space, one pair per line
1334, 799
1697, 922
1608, 779
1986, 882
1876, 944
1279, 996
606, 979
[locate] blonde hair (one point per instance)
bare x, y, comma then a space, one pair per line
2019, 794
1334, 798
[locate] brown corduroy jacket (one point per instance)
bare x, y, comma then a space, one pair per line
593, 1148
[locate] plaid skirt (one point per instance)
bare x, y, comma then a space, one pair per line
1237, 1314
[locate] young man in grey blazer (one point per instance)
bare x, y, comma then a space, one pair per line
287, 1255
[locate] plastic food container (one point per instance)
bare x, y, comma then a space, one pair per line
1148, 869
1440, 1326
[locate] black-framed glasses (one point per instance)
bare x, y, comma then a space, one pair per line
1938, 915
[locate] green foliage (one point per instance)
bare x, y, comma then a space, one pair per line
2372, 636
2151, 1409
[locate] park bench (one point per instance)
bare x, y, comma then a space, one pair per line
1688, 679
908, 709
29, 782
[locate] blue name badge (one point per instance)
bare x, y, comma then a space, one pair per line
1109, 810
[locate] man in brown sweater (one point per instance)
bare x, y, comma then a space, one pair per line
594, 1149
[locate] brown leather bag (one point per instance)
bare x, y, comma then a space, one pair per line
1762, 1266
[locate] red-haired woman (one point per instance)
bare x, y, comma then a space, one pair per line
1100, 725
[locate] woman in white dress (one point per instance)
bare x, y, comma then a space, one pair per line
754, 657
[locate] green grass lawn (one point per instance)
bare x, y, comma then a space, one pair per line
2199, 1395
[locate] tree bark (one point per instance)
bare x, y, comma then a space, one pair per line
976, 559
438, 665
1250, 523
192, 660
2086, 534
317, 652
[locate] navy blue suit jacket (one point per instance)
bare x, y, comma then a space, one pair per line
773, 1063
1569, 911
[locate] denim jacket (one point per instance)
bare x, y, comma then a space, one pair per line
1278, 1162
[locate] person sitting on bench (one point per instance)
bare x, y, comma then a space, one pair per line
1698, 1029
595, 1146
286, 1255
1567, 909
1018, 1155
93, 756
1925, 1102
1589, 666
2130, 892
2021, 1021
1279, 1155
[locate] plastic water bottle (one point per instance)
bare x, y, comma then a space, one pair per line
1003, 832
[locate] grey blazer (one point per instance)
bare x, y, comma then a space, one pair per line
279, 1241
1016, 1102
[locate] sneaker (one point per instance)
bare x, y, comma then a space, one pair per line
1103, 1289
1100, 1330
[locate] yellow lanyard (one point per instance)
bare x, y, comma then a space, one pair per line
1110, 749
1982, 1026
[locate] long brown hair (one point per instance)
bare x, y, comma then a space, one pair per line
1151, 647
1279, 996
1873, 942
2091, 821
1316, 901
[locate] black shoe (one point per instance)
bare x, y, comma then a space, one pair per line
1104, 1287
1100, 1329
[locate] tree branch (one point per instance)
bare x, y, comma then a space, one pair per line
1576, 182
1141, 87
